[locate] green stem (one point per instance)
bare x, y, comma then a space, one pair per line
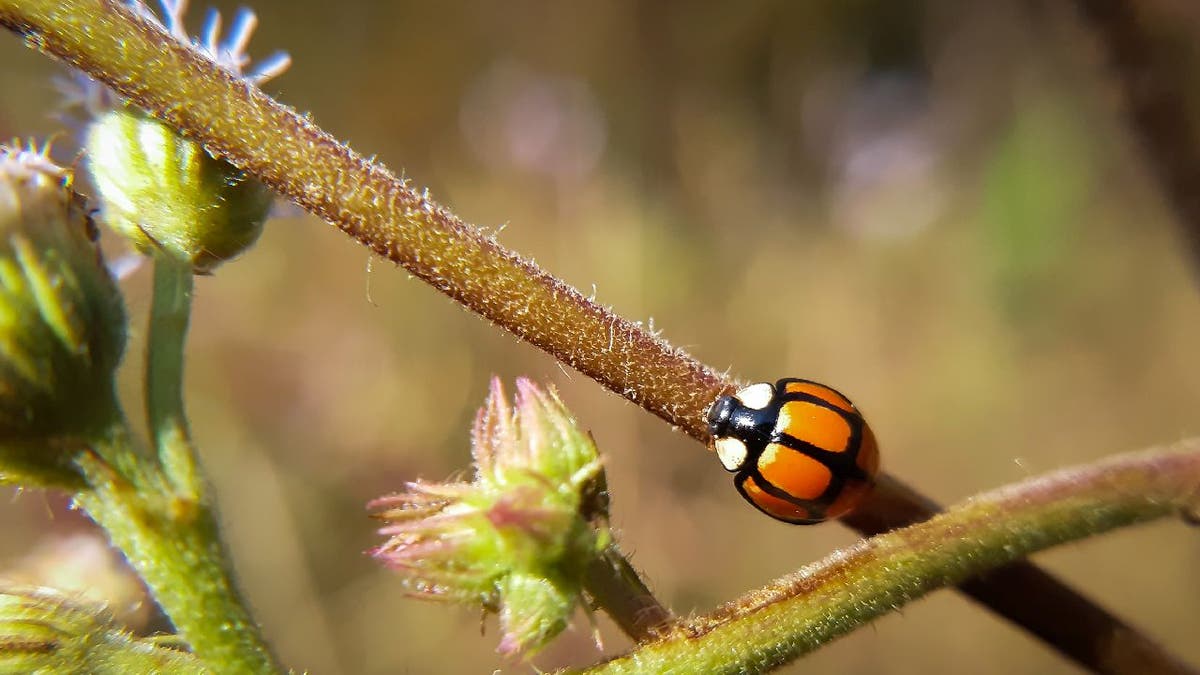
823, 601
170, 312
160, 512
172, 541
618, 590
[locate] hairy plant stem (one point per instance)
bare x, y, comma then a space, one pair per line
293, 156
170, 313
289, 153
158, 509
617, 589
172, 540
804, 610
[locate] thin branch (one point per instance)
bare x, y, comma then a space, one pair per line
800, 612
170, 311
293, 156
289, 153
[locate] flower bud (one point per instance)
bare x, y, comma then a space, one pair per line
517, 540
160, 190
44, 631
62, 323
165, 192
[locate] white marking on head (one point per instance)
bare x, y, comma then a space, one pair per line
732, 453
757, 396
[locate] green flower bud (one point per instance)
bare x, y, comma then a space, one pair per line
44, 631
62, 323
535, 609
165, 192
161, 191
518, 539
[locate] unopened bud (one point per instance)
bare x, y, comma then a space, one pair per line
62, 322
165, 192
518, 539
44, 631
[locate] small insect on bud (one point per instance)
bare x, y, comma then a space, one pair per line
62, 322
518, 538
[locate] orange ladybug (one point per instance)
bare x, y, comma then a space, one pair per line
802, 453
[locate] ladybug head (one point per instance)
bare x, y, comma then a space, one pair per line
719, 415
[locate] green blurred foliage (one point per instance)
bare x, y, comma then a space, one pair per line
933, 208
1038, 180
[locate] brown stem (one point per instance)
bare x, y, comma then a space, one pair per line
1153, 79
293, 156
296, 158
1052, 610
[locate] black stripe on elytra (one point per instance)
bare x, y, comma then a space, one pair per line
739, 482
836, 482
781, 385
818, 505
843, 463
839, 463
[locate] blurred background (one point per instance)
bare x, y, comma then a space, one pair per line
933, 206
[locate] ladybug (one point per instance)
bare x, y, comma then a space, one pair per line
800, 450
